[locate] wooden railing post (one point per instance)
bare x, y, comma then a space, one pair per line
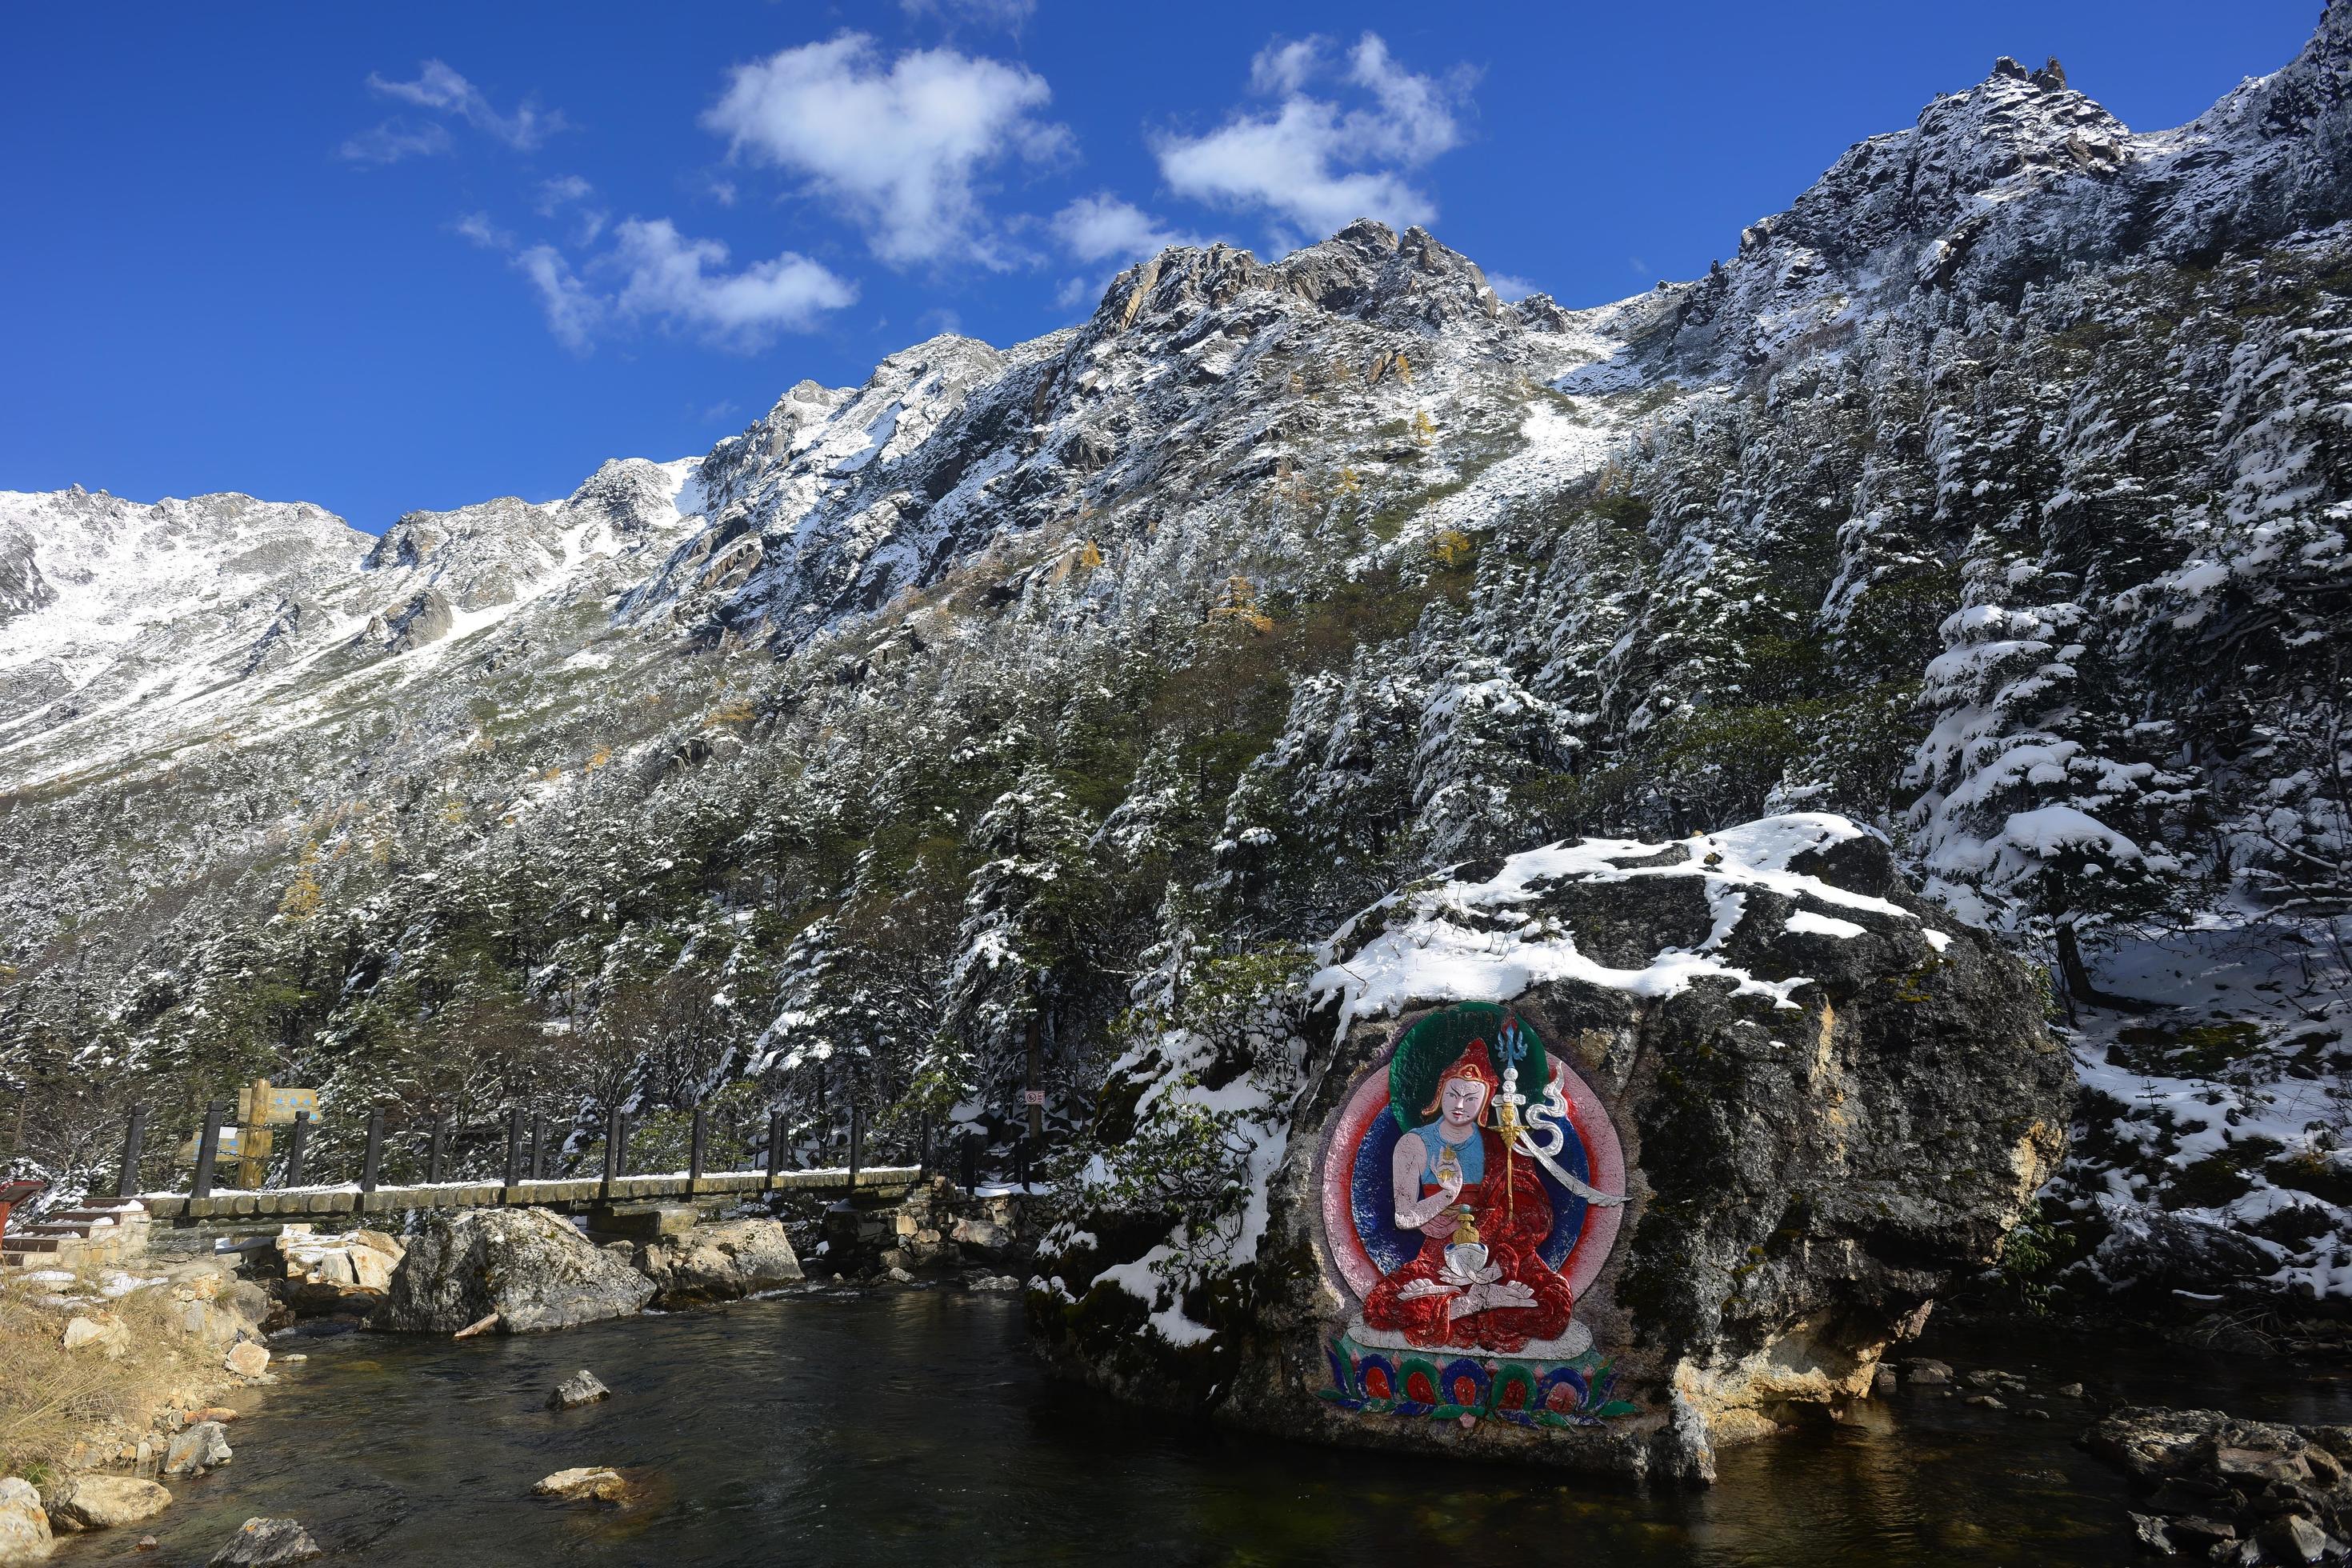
514, 1145
133, 1134
372, 1159
775, 1143
298, 1138
694, 1146
970, 1163
857, 1143
207, 1151
538, 1146
1021, 1161
438, 1150
617, 1147
923, 1150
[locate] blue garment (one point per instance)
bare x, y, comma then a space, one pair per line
1471, 1152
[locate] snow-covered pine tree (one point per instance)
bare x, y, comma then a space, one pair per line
1025, 932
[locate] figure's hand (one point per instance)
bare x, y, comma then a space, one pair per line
1510, 1293
1449, 1182
1441, 1224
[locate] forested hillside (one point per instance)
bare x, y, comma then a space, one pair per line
1022, 709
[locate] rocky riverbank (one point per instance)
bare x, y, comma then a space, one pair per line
132, 1378
114, 1380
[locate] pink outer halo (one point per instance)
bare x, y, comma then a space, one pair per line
1370, 1099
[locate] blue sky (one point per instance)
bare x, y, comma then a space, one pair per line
417, 256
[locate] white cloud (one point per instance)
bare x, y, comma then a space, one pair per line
574, 311
1311, 164
1285, 66
478, 227
553, 194
556, 194
671, 275
1102, 227
1511, 289
653, 273
395, 140
440, 89
897, 147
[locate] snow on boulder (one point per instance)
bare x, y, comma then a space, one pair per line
1596, 1155
529, 1267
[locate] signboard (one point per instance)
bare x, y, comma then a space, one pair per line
266, 1105
1033, 1097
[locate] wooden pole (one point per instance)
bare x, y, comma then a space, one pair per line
434, 1148
297, 1138
133, 1134
694, 1146
372, 1158
856, 1142
207, 1150
514, 1145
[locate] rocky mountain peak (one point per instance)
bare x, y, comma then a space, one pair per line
1368, 272
1992, 142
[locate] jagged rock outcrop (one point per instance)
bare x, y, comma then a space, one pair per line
1818, 1101
530, 1267
2231, 1490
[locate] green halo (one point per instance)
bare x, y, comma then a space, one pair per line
1435, 1040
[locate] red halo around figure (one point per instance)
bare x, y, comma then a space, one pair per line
1369, 1101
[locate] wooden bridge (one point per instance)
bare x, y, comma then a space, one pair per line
678, 1186
100, 1229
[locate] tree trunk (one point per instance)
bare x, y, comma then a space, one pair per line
2070, 965
1037, 1111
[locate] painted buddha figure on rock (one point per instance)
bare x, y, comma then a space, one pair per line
1482, 1212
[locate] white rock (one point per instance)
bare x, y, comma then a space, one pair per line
23, 1527
203, 1446
108, 1502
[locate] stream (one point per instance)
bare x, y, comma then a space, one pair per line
835, 1427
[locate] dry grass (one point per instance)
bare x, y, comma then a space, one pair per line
51, 1397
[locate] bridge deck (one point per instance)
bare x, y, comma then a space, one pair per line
289, 1203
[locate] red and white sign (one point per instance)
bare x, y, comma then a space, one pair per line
1033, 1097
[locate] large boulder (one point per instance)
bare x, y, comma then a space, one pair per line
23, 1527
1779, 1103
530, 1267
721, 1262
200, 1447
266, 1544
89, 1500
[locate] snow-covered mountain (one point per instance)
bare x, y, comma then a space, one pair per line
1994, 494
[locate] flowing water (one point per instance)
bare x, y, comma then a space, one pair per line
912, 1426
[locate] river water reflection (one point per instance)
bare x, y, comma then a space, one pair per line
913, 1427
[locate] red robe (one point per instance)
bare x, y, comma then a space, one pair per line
1511, 1225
